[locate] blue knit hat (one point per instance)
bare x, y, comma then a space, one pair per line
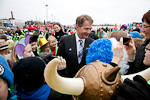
5, 71
135, 34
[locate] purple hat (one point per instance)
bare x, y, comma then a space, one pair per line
23, 42
124, 26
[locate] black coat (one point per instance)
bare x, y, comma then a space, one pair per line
58, 35
138, 65
138, 30
58, 96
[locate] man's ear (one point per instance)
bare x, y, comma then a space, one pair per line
77, 26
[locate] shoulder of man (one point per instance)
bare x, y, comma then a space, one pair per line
90, 39
67, 37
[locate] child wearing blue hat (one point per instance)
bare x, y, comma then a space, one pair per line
6, 80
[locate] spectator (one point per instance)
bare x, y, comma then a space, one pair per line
4, 48
136, 59
6, 80
53, 45
123, 27
33, 42
4, 37
23, 48
13, 56
30, 83
136, 89
44, 45
18, 31
1, 32
58, 31
9, 32
137, 28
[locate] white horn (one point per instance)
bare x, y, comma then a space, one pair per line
71, 86
144, 74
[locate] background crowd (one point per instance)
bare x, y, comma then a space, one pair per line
24, 53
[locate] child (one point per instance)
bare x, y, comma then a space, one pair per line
29, 80
6, 80
53, 45
44, 45
33, 42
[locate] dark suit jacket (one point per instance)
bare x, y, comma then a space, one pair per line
68, 50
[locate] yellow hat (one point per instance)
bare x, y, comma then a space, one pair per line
42, 42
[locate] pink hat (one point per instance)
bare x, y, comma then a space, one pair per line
41, 30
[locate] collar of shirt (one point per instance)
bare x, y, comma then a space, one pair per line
78, 43
77, 39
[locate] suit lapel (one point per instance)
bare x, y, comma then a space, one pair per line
74, 48
85, 47
85, 51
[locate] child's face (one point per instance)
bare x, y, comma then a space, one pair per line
28, 51
47, 47
3, 89
34, 46
53, 43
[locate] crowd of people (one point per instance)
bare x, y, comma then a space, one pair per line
25, 52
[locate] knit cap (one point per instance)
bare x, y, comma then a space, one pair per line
29, 73
5, 71
135, 34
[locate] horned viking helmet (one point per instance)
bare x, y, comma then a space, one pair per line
95, 81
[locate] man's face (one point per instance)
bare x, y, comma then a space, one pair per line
34, 46
146, 30
137, 26
85, 30
28, 51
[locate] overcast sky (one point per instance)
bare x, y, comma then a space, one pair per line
66, 11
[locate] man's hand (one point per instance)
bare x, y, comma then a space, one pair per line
62, 63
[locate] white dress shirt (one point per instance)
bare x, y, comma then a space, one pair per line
78, 43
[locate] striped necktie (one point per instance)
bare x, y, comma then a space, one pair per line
80, 51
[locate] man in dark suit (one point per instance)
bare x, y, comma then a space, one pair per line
73, 48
